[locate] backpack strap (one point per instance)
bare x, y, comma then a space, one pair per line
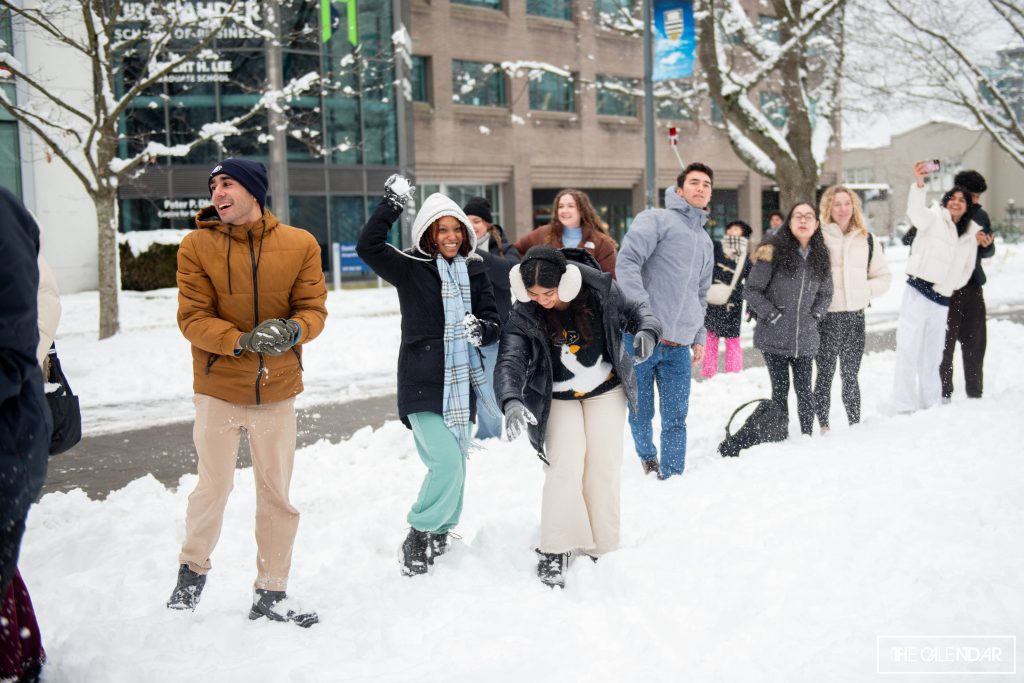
728, 425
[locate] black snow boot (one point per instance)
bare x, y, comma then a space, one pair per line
413, 553
651, 466
439, 544
276, 606
551, 568
188, 590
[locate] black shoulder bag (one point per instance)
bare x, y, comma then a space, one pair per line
67, 416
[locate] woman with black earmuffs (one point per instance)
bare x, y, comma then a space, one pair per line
564, 375
448, 312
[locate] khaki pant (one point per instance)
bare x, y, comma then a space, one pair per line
580, 503
271, 432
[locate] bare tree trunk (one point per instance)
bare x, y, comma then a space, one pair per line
109, 270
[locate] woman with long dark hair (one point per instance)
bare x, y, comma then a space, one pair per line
859, 274
448, 311
564, 375
574, 224
789, 289
940, 262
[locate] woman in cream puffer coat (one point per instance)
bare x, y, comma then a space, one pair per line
859, 274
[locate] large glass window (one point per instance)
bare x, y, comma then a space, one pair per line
724, 208
551, 92
555, 9
478, 84
768, 26
673, 109
617, 96
615, 13
10, 157
310, 213
491, 4
420, 79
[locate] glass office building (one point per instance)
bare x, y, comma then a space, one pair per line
342, 135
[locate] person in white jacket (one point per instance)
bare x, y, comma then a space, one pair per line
940, 263
859, 273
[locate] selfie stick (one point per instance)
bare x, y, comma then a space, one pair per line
673, 139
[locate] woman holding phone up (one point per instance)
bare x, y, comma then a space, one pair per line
940, 262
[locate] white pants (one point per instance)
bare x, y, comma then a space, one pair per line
580, 504
920, 335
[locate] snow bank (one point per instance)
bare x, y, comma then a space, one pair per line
782, 565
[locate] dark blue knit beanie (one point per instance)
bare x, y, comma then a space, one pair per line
252, 175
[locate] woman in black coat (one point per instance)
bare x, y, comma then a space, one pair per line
789, 289
564, 374
439, 367
723, 321
499, 256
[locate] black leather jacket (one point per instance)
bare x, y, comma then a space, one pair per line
524, 371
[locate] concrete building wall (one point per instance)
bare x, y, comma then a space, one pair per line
50, 190
958, 148
525, 150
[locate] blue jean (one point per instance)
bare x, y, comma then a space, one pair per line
488, 426
670, 367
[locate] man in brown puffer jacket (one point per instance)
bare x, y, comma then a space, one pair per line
250, 292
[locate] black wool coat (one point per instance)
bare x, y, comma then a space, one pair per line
421, 356
524, 369
24, 416
725, 320
498, 263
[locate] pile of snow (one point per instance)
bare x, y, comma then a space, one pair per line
782, 565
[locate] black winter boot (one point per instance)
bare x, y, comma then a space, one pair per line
188, 589
551, 568
439, 545
413, 553
274, 605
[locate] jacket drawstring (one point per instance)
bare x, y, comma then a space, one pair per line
229, 259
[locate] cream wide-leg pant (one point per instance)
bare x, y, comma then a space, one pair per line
580, 503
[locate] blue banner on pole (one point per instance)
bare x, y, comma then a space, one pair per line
675, 39
350, 261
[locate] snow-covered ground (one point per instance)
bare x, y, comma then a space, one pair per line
785, 564
143, 376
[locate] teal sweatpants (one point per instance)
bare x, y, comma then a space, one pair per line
439, 505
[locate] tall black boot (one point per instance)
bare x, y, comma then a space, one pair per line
188, 590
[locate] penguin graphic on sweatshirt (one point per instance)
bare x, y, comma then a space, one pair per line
580, 367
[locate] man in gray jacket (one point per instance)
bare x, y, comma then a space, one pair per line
666, 261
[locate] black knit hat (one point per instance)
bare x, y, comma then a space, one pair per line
972, 181
252, 175
479, 206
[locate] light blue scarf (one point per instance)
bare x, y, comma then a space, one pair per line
462, 363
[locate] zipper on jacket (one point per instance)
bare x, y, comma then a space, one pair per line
255, 311
298, 357
799, 302
209, 363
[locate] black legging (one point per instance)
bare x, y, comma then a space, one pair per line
842, 340
778, 373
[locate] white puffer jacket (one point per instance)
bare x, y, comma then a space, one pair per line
939, 255
854, 282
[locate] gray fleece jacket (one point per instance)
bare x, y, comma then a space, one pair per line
666, 261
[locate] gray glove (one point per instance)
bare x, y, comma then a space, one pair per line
643, 346
288, 334
267, 336
474, 329
398, 191
516, 418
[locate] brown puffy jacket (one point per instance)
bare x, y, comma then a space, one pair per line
600, 246
231, 277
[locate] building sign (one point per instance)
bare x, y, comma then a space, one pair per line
675, 39
350, 261
189, 21
207, 67
181, 208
